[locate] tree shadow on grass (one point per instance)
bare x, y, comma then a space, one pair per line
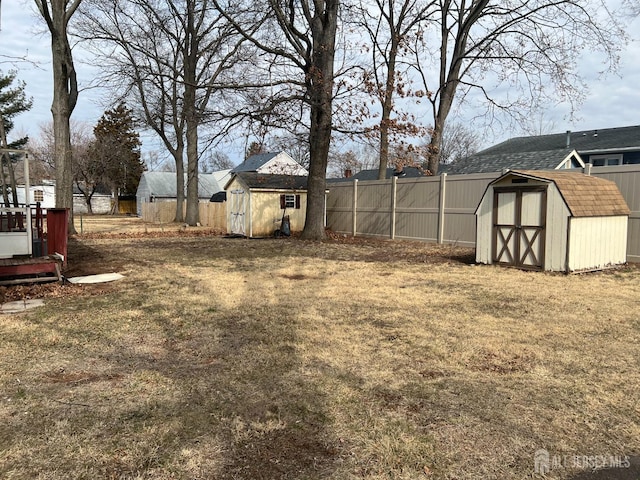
278, 424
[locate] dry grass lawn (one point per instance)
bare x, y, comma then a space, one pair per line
280, 359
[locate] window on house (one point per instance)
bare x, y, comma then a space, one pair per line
38, 196
289, 201
605, 160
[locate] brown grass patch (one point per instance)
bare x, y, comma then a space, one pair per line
243, 359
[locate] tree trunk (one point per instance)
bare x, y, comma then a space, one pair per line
4, 160
87, 200
193, 211
178, 157
65, 95
387, 108
320, 88
191, 117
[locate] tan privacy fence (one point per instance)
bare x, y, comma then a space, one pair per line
442, 208
212, 214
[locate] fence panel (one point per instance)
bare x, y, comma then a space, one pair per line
212, 214
340, 204
417, 201
442, 208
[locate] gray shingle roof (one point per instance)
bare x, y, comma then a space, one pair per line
265, 181
408, 172
496, 162
583, 141
254, 162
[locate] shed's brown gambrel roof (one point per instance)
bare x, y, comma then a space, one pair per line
585, 195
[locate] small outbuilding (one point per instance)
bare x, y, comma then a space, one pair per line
257, 203
162, 187
552, 220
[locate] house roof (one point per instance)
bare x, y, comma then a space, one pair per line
585, 195
608, 139
265, 181
527, 160
163, 184
407, 172
254, 162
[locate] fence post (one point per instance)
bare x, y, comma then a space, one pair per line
392, 220
441, 206
355, 207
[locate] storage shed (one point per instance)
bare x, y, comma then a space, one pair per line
162, 187
552, 220
256, 203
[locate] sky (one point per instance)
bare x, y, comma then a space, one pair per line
613, 100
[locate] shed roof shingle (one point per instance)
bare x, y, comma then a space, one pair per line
585, 195
272, 181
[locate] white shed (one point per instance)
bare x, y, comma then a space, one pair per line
552, 220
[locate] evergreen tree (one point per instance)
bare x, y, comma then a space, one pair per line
13, 101
116, 151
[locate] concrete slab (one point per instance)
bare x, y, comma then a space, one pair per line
101, 278
20, 306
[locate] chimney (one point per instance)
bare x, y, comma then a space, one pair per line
348, 173
568, 138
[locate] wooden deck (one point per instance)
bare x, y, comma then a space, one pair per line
30, 270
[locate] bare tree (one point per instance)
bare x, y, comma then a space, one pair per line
170, 58
300, 38
215, 160
528, 45
57, 14
392, 27
459, 141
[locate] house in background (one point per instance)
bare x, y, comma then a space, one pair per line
44, 193
161, 187
372, 174
606, 147
272, 163
101, 201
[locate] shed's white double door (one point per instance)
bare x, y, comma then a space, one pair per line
519, 216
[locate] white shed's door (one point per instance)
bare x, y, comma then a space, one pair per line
237, 214
519, 217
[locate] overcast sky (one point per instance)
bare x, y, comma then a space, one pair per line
613, 101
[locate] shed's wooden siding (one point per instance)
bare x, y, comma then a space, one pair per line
556, 231
266, 214
597, 242
627, 177
485, 229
